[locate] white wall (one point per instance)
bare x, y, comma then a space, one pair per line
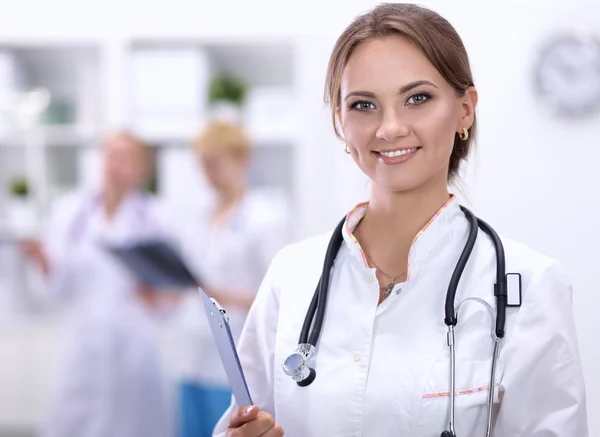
537, 176
534, 178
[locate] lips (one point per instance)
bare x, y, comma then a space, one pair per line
397, 152
396, 156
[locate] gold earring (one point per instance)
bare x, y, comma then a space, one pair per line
465, 135
346, 149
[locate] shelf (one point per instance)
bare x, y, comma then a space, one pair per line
176, 113
70, 72
51, 136
260, 62
258, 139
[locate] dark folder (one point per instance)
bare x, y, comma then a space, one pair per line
156, 264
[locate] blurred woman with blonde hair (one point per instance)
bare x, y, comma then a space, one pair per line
230, 245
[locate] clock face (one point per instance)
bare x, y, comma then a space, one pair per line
567, 76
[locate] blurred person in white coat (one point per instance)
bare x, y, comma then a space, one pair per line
109, 380
229, 244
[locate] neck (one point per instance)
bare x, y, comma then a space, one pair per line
230, 196
111, 199
403, 214
392, 221
227, 201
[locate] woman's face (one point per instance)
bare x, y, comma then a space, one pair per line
399, 116
124, 165
223, 169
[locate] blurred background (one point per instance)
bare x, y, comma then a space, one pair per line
72, 71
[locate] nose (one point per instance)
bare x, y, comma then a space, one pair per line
392, 127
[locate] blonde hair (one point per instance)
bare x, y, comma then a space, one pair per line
223, 136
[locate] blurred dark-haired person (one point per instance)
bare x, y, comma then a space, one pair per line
109, 380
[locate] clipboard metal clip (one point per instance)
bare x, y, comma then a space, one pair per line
221, 309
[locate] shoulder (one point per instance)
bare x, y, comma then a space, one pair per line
265, 209
308, 248
300, 259
531, 263
69, 203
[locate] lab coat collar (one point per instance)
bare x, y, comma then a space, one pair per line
446, 224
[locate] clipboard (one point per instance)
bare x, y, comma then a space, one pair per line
219, 325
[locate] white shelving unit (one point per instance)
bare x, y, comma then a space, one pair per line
156, 87
168, 104
42, 146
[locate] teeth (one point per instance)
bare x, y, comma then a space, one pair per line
398, 152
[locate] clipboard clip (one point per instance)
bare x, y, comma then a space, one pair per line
221, 309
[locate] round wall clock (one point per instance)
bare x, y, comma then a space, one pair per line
567, 75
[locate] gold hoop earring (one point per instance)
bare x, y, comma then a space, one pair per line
346, 149
465, 135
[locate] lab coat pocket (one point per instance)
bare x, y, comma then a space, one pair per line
471, 399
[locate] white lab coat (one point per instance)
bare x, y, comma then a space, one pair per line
235, 256
384, 370
109, 378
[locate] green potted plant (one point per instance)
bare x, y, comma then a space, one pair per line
226, 87
226, 95
21, 211
19, 187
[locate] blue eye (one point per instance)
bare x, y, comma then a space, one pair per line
363, 105
417, 99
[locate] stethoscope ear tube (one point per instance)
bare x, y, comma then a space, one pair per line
323, 286
500, 289
310, 316
311, 328
450, 318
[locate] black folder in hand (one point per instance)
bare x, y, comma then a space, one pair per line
156, 264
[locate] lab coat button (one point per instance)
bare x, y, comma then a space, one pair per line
357, 357
370, 279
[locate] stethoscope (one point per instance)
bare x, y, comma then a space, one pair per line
296, 365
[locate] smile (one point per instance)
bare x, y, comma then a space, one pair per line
394, 153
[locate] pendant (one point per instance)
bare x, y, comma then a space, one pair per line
388, 289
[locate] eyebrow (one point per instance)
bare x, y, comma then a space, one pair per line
406, 88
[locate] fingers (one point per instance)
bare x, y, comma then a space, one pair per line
243, 415
30, 247
261, 426
250, 422
276, 431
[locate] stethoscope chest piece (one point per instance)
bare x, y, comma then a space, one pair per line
296, 365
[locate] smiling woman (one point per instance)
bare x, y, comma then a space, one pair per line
421, 106
428, 63
378, 353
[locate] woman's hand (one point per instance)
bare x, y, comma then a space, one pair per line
34, 250
231, 298
156, 299
251, 422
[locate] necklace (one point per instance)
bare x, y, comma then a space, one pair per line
387, 290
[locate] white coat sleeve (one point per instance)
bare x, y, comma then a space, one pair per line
56, 245
268, 238
256, 347
543, 381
